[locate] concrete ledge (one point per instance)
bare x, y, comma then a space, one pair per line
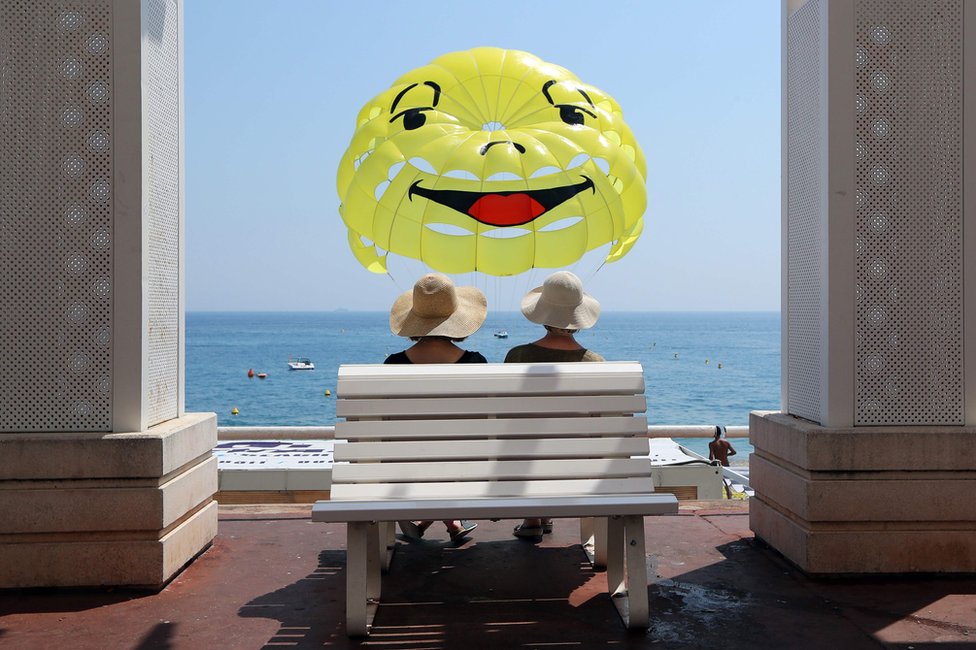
187, 541
808, 445
704, 481
71, 506
154, 453
111, 562
926, 549
106, 509
872, 500
885, 496
243, 480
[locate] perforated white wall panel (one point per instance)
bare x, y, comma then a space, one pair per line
162, 139
909, 306
804, 212
55, 215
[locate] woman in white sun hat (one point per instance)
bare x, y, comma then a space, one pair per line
561, 306
436, 315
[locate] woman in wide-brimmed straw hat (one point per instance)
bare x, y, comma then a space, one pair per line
436, 315
561, 306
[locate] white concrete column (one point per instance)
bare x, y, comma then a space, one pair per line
91, 310
879, 384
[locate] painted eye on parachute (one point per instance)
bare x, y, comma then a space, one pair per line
413, 118
572, 114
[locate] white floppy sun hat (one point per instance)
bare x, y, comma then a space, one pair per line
560, 302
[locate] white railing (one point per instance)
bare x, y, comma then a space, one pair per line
328, 432
276, 433
653, 431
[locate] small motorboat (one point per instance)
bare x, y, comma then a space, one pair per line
300, 363
501, 334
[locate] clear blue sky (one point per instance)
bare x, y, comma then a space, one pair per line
273, 88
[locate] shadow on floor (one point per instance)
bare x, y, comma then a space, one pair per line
488, 594
309, 611
754, 597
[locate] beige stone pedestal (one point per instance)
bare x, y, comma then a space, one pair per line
870, 500
123, 509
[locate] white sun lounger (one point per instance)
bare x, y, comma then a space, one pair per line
495, 441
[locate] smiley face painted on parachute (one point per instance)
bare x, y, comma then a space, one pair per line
513, 208
491, 160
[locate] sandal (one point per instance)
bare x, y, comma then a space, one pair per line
411, 530
528, 532
462, 532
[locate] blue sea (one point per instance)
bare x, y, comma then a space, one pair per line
701, 368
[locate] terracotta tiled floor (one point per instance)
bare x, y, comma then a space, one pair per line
275, 579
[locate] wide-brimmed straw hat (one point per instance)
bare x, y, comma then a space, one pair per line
560, 302
435, 307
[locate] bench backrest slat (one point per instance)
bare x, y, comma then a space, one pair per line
490, 470
443, 407
414, 450
456, 380
491, 489
524, 427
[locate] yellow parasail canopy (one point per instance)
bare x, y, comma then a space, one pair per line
491, 160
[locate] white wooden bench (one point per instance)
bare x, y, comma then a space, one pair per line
495, 441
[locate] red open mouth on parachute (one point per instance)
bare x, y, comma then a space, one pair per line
503, 208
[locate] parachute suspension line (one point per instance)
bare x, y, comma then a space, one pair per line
393, 279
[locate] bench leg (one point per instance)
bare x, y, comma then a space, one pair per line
636, 572
593, 537
627, 570
362, 576
615, 556
387, 532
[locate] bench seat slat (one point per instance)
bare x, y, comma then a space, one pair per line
491, 489
441, 407
514, 508
508, 470
377, 380
491, 428
419, 450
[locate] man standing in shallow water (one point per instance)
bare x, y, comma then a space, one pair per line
720, 450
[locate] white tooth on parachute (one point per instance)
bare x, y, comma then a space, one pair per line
562, 224
380, 189
603, 164
578, 160
504, 176
423, 165
449, 229
460, 173
395, 169
506, 233
545, 171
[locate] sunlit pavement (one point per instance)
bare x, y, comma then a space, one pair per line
274, 579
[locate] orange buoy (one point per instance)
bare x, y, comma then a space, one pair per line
250, 373
262, 375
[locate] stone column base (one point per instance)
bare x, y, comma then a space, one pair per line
866, 500
106, 509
